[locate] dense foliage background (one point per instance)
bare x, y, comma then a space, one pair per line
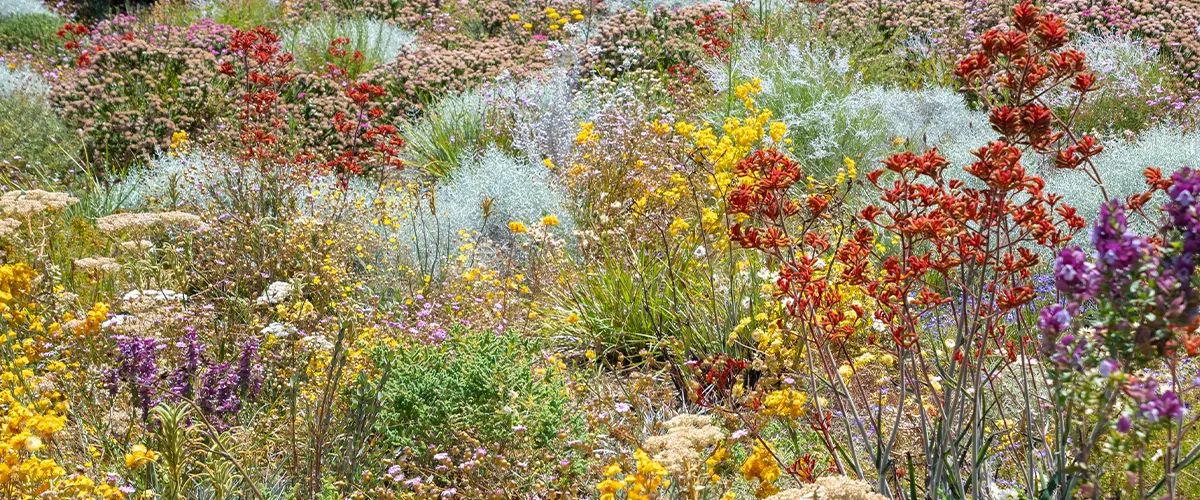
840, 249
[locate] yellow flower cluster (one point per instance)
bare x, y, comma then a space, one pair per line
741, 136
587, 133
32, 413
761, 466
14, 281
642, 485
179, 143
786, 402
139, 456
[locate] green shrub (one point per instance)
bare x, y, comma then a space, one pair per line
248, 14
30, 32
453, 131
476, 383
35, 146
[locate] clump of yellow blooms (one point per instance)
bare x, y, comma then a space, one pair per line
14, 280
179, 143
587, 133
517, 227
610, 486
741, 136
641, 485
139, 456
786, 402
32, 412
761, 466
90, 326
649, 478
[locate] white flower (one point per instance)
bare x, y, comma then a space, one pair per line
117, 320
700, 252
317, 342
278, 330
275, 293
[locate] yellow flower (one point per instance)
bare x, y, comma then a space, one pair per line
514, 17
139, 456
777, 131
786, 403
587, 133
550, 220
590, 355
527, 26
888, 359
761, 466
846, 371
517, 227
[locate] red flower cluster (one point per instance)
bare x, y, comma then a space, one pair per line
262, 72
716, 35
965, 254
765, 199
368, 144
716, 377
1014, 69
74, 34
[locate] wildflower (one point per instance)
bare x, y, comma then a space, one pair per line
139, 456
850, 166
1073, 274
25, 203
104, 264
527, 26
777, 130
1053, 320
761, 466
786, 403
8, 226
514, 17
275, 293
517, 227
550, 221
678, 451
846, 371
587, 133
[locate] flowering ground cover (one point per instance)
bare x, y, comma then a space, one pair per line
605, 249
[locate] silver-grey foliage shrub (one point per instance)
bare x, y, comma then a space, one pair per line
379, 41
21, 80
1121, 165
541, 114
519, 190
14, 7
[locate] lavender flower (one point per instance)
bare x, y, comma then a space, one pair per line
1054, 320
181, 379
1117, 249
218, 393
1073, 274
137, 358
1166, 405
